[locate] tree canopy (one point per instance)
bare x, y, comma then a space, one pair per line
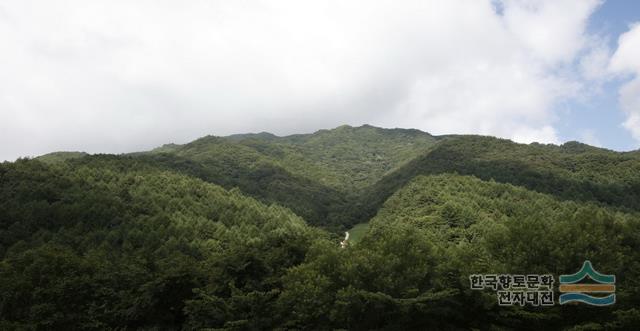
243, 232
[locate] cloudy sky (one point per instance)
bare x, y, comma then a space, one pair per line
121, 76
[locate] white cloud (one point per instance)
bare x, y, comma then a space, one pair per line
627, 56
116, 76
626, 59
630, 101
553, 30
594, 64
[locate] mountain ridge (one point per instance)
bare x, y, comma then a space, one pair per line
573, 144
339, 177
244, 233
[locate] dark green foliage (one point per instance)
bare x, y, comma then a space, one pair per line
411, 270
318, 176
269, 183
487, 227
345, 158
170, 239
117, 244
572, 171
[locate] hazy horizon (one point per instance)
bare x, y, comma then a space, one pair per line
284, 136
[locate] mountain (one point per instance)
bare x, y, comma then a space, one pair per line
322, 176
244, 231
345, 158
571, 171
317, 175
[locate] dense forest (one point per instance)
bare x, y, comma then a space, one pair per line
243, 233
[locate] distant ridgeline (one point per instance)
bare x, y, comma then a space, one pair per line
242, 232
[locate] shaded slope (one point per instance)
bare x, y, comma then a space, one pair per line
411, 269
317, 175
572, 171
489, 227
337, 178
109, 243
346, 158
357, 157
317, 204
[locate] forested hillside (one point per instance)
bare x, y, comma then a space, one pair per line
242, 232
572, 171
115, 244
318, 176
411, 271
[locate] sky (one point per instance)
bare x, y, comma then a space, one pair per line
121, 76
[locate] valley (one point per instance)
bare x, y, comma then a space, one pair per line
244, 231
